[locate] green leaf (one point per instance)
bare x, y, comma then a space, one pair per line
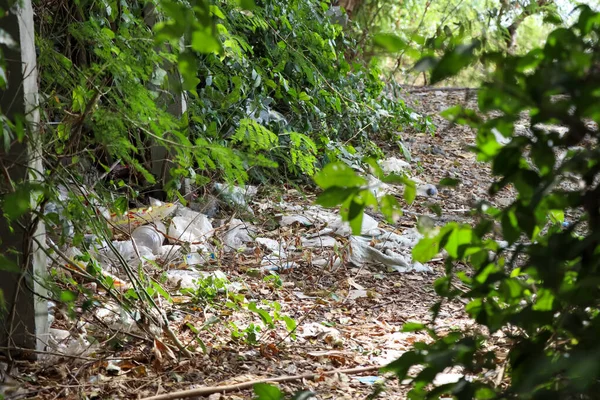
458, 237
389, 42
410, 192
453, 61
338, 174
401, 366
264, 391
510, 227
451, 182
247, 4
290, 323
544, 300
334, 196
355, 217
389, 207
205, 41
160, 290
413, 327
67, 296
435, 207
189, 71
8, 265
17, 203
426, 249
425, 64
263, 314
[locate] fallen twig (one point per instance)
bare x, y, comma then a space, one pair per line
417, 89
204, 391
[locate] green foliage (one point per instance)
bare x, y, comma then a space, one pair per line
423, 30
268, 87
343, 186
544, 290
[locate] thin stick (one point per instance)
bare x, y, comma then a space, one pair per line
205, 391
419, 89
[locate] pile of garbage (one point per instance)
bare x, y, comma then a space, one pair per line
187, 245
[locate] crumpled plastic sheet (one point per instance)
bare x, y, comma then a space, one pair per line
236, 195
110, 261
190, 226
386, 252
275, 247
67, 343
237, 235
393, 165
314, 214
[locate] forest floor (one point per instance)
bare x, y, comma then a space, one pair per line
347, 316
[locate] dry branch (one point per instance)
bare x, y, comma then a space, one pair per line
205, 391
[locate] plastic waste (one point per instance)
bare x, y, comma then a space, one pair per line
199, 255
377, 187
368, 380
190, 226
318, 215
295, 219
393, 165
363, 253
64, 342
320, 241
149, 236
115, 317
235, 195
131, 219
237, 235
127, 251
275, 263
315, 330
427, 190
272, 245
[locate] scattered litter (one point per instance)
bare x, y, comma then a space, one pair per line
362, 253
272, 245
115, 317
321, 241
112, 368
199, 256
444, 379
368, 380
327, 334
141, 216
296, 218
149, 236
188, 278
377, 187
126, 250
313, 215
394, 165
302, 296
236, 196
356, 294
190, 226
275, 263
169, 253
64, 342
427, 190
237, 235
